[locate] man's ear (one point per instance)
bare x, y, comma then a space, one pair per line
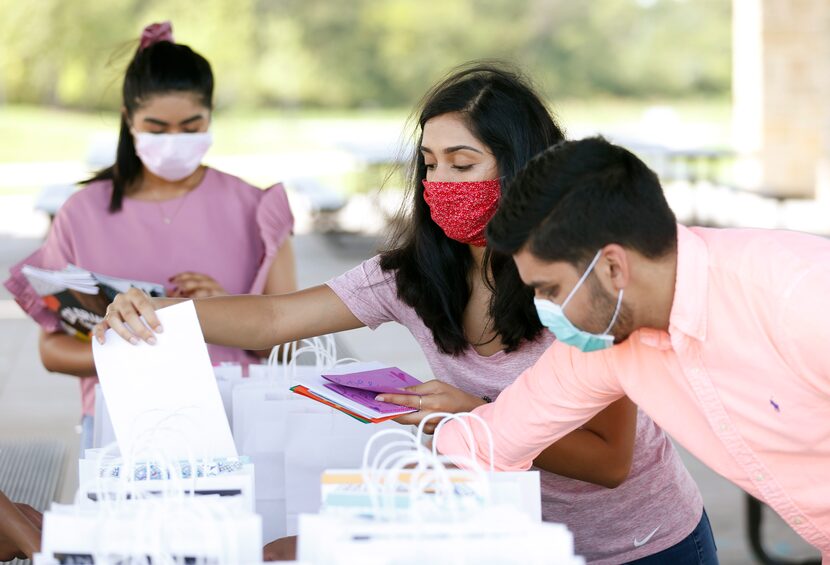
615, 265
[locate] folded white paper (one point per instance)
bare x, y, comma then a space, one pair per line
163, 398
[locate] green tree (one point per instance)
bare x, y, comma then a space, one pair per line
367, 52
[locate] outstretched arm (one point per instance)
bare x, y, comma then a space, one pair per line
246, 322
63, 353
599, 452
560, 393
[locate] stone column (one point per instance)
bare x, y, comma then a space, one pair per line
781, 94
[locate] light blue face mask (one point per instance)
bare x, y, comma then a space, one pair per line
553, 318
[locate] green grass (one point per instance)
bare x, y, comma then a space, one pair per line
615, 111
31, 133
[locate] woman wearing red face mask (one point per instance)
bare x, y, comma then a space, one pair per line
159, 215
477, 326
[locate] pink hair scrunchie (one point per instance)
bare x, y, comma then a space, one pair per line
154, 33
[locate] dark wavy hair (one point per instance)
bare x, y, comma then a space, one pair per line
160, 68
431, 270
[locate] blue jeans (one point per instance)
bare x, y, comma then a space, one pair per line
698, 548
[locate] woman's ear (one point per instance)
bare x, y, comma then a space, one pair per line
615, 265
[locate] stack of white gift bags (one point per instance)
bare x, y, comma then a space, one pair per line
146, 507
289, 439
154, 514
407, 505
172, 489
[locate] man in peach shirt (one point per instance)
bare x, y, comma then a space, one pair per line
721, 335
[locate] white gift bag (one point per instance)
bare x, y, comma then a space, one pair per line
290, 439
495, 536
317, 436
151, 506
407, 507
259, 429
102, 474
261, 407
344, 491
350, 491
258, 420
320, 438
228, 376
207, 529
102, 432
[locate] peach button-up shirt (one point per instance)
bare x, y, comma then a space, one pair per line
741, 378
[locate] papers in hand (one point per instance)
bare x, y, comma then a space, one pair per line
352, 389
163, 398
80, 297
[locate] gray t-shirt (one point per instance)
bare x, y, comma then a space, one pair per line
656, 507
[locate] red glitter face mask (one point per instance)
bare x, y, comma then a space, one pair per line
462, 209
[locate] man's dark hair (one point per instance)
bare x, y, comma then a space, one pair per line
577, 197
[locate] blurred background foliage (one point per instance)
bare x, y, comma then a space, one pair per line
368, 53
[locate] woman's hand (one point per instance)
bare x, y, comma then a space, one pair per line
196, 285
431, 397
124, 317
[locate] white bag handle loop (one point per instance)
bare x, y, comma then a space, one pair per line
461, 419
405, 465
322, 348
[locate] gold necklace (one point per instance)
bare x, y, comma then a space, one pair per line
168, 219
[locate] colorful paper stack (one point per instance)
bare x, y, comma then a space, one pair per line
352, 389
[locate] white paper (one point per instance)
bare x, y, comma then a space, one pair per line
164, 397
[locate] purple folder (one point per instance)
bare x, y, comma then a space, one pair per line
390, 380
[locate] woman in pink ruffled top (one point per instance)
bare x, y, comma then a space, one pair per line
158, 215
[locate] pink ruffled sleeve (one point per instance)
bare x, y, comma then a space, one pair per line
276, 223
55, 253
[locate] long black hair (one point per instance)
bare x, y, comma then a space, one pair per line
431, 270
160, 68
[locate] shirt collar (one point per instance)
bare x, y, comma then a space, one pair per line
689, 311
657, 339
